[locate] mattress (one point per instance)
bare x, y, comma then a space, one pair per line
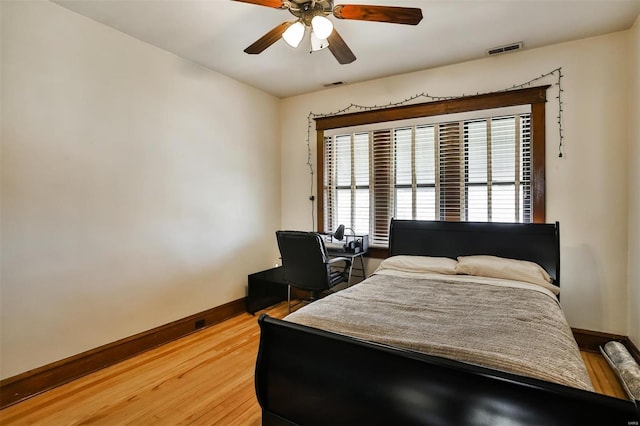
502, 324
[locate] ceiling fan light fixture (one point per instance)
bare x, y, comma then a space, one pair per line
321, 26
294, 34
317, 43
313, 14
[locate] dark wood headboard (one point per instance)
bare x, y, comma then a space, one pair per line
535, 242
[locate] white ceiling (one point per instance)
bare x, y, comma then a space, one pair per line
214, 33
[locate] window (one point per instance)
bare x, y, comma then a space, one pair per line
475, 164
347, 188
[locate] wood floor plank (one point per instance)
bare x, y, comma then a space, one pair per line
205, 378
602, 376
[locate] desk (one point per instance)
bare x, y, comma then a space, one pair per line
353, 257
352, 246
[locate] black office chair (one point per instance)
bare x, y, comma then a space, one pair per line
307, 265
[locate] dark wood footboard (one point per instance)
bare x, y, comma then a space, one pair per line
310, 376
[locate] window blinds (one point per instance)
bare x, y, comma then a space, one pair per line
477, 169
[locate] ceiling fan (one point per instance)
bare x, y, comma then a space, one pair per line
312, 15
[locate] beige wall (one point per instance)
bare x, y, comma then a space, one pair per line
137, 188
634, 185
587, 190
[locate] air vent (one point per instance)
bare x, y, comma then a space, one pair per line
505, 49
335, 83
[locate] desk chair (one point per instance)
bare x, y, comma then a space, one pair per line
307, 265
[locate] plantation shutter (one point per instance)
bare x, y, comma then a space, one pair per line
404, 173
526, 169
329, 199
425, 173
360, 212
346, 182
498, 183
415, 168
382, 186
450, 162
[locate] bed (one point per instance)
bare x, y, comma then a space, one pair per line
385, 351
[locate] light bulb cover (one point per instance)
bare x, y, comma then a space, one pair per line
322, 27
294, 34
316, 43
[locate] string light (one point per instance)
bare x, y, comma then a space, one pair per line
358, 108
311, 197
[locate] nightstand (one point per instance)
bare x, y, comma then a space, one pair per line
266, 288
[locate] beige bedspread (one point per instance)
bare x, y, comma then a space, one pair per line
515, 329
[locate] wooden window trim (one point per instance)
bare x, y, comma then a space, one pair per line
534, 96
527, 96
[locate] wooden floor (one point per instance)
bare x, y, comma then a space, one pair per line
203, 379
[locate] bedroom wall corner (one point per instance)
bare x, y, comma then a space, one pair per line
134, 193
634, 184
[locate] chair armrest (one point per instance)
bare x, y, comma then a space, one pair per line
340, 259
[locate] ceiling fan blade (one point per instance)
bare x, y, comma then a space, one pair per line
339, 48
269, 3
392, 14
268, 39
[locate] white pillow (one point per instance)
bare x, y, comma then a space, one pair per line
438, 265
510, 269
